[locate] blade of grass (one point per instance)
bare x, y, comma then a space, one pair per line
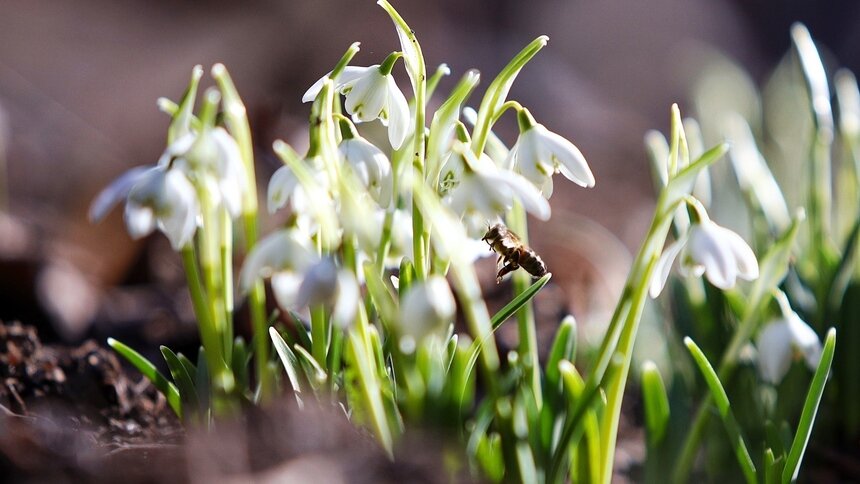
724, 407
289, 360
148, 370
524, 297
810, 409
183, 381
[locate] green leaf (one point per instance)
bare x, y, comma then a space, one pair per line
181, 123
772, 467
148, 370
519, 301
563, 348
497, 93
444, 120
289, 360
656, 402
312, 366
810, 409
184, 383
724, 407
381, 296
588, 448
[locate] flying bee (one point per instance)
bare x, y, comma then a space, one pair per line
513, 253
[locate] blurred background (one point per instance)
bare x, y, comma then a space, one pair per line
79, 83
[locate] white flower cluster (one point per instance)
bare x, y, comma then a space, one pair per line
165, 196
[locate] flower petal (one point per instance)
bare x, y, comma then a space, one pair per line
349, 74
805, 339
398, 112
664, 266
571, 163
116, 191
281, 250
744, 257
281, 186
285, 286
774, 350
346, 305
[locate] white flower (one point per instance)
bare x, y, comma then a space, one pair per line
709, 249
777, 343
163, 198
286, 189
371, 166
485, 192
539, 153
324, 283
116, 191
370, 94
284, 256
426, 306
214, 153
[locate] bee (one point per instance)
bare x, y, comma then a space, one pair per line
513, 253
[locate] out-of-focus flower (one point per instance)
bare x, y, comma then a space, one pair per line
156, 197
709, 249
539, 153
370, 165
211, 152
324, 283
286, 189
426, 306
164, 199
486, 192
778, 343
284, 256
371, 93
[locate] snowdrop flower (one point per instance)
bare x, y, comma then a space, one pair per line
780, 340
485, 192
156, 197
284, 256
709, 249
163, 198
211, 152
324, 283
539, 153
372, 93
426, 306
285, 189
368, 162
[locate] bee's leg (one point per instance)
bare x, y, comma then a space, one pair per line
506, 269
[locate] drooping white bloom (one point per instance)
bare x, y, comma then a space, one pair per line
778, 343
284, 256
709, 249
211, 153
371, 95
162, 198
371, 166
324, 283
426, 306
486, 192
539, 153
285, 189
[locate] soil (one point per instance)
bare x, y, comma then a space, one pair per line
77, 415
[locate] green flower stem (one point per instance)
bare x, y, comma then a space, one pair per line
618, 378
498, 90
226, 254
210, 262
205, 323
418, 75
345, 59
528, 350
319, 334
236, 119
